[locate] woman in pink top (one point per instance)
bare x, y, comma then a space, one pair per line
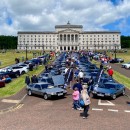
76, 96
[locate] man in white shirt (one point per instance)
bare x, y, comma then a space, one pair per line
81, 75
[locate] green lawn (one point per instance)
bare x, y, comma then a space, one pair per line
8, 58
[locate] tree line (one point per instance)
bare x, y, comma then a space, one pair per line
10, 42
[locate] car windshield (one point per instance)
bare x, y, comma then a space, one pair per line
44, 86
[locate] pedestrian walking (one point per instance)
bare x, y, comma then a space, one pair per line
86, 99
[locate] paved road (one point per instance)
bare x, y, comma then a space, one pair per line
117, 67
37, 114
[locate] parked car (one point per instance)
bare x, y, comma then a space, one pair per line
2, 83
45, 90
9, 72
21, 69
126, 65
116, 60
108, 89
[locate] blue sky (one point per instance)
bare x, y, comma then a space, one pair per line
35, 15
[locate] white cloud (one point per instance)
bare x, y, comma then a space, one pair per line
43, 15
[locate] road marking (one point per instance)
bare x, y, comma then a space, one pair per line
97, 109
10, 101
105, 104
112, 110
127, 111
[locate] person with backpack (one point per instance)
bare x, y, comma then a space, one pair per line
86, 100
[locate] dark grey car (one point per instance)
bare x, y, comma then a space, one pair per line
45, 90
108, 89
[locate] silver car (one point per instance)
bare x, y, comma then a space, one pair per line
45, 90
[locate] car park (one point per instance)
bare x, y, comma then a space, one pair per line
45, 90
108, 89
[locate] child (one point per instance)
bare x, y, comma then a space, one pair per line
76, 96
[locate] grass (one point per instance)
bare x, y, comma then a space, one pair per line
19, 83
8, 58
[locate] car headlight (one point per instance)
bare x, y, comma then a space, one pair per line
107, 94
53, 93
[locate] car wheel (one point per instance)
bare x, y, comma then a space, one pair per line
29, 92
123, 93
114, 96
94, 95
23, 72
45, 96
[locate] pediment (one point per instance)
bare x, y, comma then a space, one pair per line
68, 30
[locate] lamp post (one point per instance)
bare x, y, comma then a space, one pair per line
42, 49
26, 51
115, 50
95, 47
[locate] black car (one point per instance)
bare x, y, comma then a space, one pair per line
117, 60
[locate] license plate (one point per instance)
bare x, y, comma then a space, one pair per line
59, 94
100, 95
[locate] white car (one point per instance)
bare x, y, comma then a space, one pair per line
126, 65
22, 69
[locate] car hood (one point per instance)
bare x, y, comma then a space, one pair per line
54, 90
104, 90
58, 80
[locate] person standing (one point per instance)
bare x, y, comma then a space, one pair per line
76, 96
27, 80
86, 99
81, 76
110, 72
77, 85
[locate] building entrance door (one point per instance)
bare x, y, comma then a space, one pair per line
64, 48
72, 48
68, 48
76, 48
61, 48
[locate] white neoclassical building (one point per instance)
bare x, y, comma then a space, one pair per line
69, 37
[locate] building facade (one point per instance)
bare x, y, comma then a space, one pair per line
69, 37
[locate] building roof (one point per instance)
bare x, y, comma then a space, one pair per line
99, 32
68, 25
44, 32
